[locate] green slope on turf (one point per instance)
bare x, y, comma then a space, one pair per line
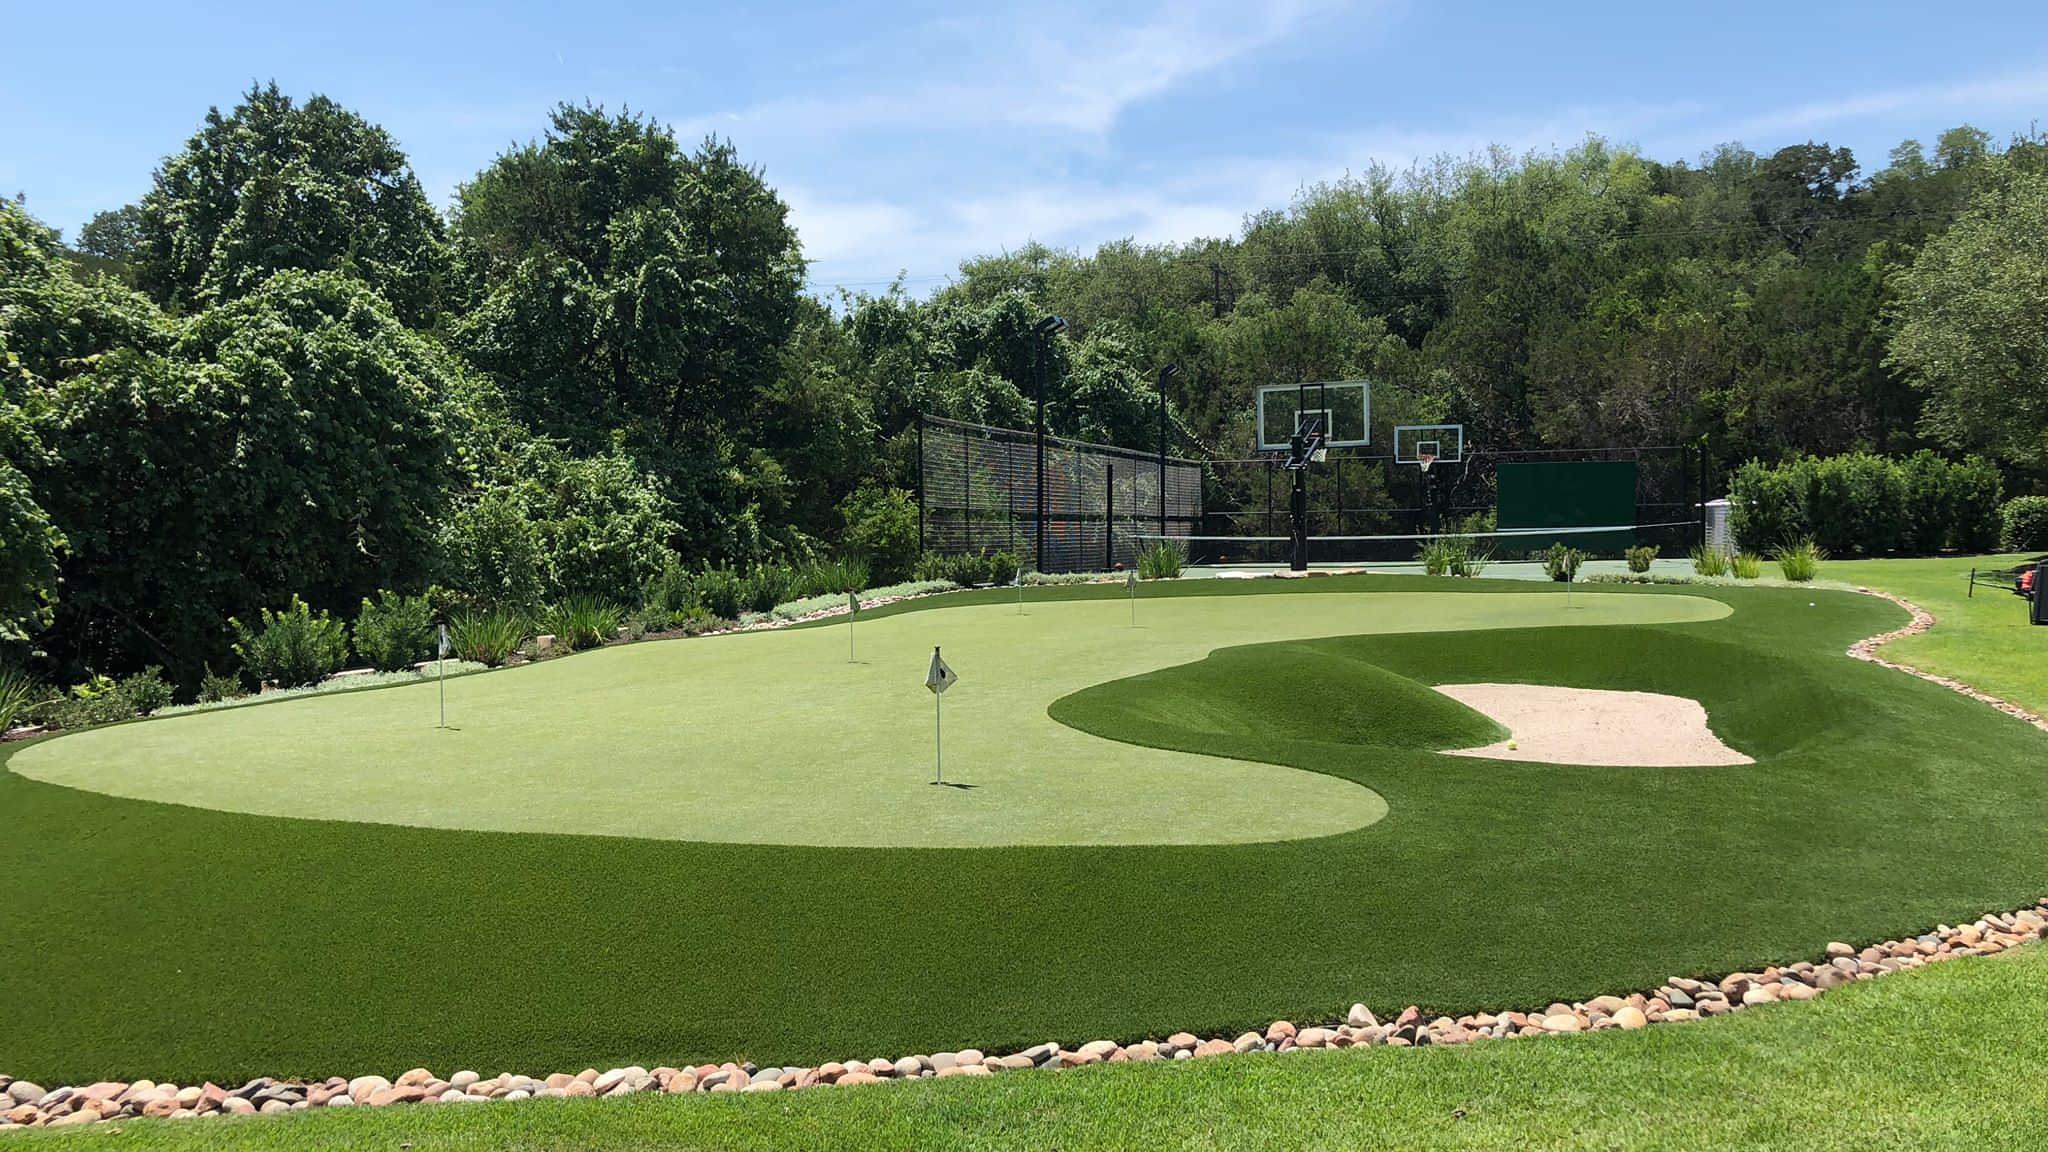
153, 939
1930, 1059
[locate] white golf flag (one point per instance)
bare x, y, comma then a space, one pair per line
941, 676
1131, 579
853, 603
444, 641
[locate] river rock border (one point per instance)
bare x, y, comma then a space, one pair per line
1678, 999
1922, 621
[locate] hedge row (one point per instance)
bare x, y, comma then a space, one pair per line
1864, 503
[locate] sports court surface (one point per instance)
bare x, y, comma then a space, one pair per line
1236, 811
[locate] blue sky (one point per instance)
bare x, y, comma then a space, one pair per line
909, 136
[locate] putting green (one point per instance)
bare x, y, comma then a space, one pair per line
777, 738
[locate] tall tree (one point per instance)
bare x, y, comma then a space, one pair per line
275, 185
1972, 324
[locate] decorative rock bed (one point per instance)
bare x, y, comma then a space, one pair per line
1678, 999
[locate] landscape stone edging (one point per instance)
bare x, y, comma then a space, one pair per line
1923, 620
1678, 999
25, 1104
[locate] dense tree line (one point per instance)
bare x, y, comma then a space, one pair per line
283, 372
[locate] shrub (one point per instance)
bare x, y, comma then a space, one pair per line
1441, 554
582, 622
1860, 502
969, 568
1746, 565
881, 530
1640, 557
2023, 524
19, 692
489, 553
1709, 561
722, 592
294, 646
394, 632
824, 577
145, 691
1161, 561
671, 590
1003, 567
214, 688
1800, 560
768, 586
1562, 563
487, 636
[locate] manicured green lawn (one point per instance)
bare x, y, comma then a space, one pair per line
777, 737
1983, 640
1948, 1057
180, 942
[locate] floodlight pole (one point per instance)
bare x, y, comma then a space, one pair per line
1044, 330
1165, 374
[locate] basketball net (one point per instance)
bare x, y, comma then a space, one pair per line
1425, 460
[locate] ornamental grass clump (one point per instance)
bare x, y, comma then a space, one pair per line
1800, 560
1640, 557
1746, 565
1162, 561
582, 622
1709, 562
488, 637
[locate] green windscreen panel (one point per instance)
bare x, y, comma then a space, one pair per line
1574, 494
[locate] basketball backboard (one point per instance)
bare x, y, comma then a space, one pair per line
1438, 443
1345, 407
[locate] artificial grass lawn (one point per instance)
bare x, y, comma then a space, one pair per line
1983, 640
182, 943
1948, 1057
777, 737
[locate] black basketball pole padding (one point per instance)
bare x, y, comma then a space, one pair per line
920, 484
1297, 507
2041, 592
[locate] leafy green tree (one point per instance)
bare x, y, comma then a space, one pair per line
294, 441
275, 185
1972, 325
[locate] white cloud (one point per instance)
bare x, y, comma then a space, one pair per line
2011, 90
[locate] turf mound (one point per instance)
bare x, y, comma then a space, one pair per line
1301, 691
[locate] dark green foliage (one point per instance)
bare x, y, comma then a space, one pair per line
2024, 524
215, 687
723, 592
291, 647
1640, 557
553, 525
581, 622
274, 186
1860, 502
94, 702
968, 569
487, 636
767, 586
145, 691
881, 531
394, 632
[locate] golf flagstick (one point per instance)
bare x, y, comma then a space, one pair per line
938, 678
852, 612
441, 662
1131, 580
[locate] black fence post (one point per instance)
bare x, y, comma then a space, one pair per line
920, 484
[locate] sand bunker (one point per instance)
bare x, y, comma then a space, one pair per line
1554, 725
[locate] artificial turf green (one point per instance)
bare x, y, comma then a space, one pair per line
1946, 1057
777, 737
150, 939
